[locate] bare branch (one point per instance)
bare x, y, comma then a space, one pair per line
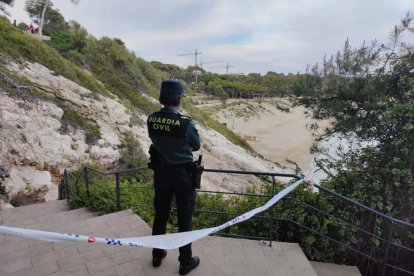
322, 167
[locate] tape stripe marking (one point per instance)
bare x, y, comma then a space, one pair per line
167, 241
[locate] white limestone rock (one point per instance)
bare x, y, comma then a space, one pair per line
30, 135
25, 178
4, 204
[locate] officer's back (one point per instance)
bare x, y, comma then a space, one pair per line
174, 137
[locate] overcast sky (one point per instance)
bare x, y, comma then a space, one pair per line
253, 36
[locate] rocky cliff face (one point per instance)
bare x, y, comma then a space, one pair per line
35, 151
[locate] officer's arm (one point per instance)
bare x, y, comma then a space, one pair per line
193, 136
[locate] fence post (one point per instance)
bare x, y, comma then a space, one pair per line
77, 182
118, 201
60, 189
66, 184
272, 227
88, 194
390, 226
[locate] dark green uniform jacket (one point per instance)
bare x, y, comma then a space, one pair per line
173, 135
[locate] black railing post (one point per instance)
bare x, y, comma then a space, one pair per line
382, 262
60, 189
272, 227
390, 228
88, 194
118, 196
66, 184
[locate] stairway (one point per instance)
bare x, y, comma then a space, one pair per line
219, 256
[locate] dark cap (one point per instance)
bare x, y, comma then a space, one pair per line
171, 87
171, 93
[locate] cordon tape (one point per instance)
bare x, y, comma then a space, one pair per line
167, 241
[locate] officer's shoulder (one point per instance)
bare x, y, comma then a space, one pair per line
185, 117
153, 114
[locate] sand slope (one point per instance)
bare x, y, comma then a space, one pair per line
277, 135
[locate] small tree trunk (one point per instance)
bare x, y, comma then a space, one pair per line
43, 17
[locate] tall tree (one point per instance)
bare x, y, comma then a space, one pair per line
42, 20
368, 92
38, 8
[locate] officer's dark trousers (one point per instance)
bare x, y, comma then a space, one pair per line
169, 182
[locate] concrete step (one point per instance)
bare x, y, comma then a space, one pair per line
59, 222
48, 219
43, 222
32, 257
34, 210
327, 269
249, 257
219, 256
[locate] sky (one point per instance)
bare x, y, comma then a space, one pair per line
258, 36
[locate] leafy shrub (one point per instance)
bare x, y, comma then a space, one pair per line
23, 26
72, 118
132, 155
215, 88
62, 41
17, 44
125, 75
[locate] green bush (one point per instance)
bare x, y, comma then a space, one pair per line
121, 72
72, 118
23, 26
62, 41
132, 155
17, 44
215, 88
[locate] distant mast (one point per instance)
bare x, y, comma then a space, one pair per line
196, 53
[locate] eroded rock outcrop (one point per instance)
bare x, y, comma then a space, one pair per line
32, 144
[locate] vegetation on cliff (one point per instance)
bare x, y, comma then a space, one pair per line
367, 91
104, 66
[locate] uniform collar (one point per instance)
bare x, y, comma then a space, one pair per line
169, 110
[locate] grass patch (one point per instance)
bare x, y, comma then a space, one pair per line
72, 118
116, 69
205, 119
18, 44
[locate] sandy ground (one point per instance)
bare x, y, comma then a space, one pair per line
277, 135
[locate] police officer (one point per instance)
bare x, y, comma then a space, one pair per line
174, 137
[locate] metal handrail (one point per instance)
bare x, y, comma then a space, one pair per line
254, 173
267, 217
391, 222
332, 216
119, 171
270, 174
394, 220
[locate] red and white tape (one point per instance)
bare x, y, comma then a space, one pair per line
167, 241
